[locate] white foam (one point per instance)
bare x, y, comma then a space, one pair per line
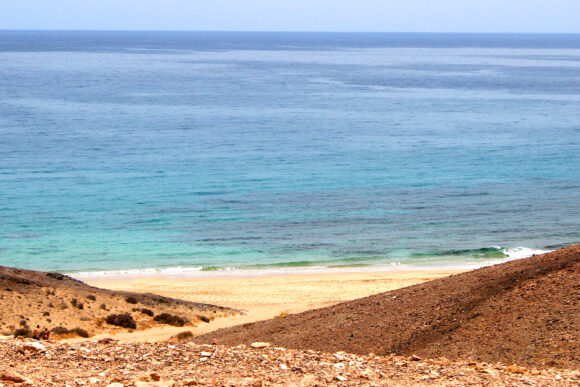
147, 272
198, 272
523, 252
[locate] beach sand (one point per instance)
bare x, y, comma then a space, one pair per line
262, 297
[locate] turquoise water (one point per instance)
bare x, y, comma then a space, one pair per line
197, 152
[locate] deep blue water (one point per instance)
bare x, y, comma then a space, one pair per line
135, 150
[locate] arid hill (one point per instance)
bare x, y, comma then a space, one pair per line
525, 312
52, 300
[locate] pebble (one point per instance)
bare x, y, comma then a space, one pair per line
260, 344
33, 347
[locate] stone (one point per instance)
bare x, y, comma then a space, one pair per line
415, 358
155, 377
340, 378
12, 377
115, 385
106, 340
167, 383
259, 344
205, 354
33, 347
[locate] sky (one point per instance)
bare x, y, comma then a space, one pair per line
295, 15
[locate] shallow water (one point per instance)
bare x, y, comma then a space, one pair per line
212, 151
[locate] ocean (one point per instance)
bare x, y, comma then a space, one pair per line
211, 153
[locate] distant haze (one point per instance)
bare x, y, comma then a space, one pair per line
296, 15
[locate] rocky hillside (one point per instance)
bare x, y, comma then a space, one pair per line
525, 312
61, 303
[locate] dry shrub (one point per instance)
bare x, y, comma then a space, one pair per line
181, 336
80, 332
23, 332
59, 330
124, 320
166, 318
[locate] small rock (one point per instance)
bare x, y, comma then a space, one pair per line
414, 358
259, 344
205, 354
340, 378
155, 377
284, 366
93, 380
115, 385
33, 347
12, 377
167, 383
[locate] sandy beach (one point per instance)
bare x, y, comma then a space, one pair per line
469, 328
262, 297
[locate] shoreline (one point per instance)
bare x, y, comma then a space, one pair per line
435, 263
262, 297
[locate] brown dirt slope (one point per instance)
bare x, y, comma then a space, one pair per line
29, 298
525, 311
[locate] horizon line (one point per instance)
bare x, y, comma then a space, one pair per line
291, 31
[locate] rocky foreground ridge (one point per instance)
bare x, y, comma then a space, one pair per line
108, 363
